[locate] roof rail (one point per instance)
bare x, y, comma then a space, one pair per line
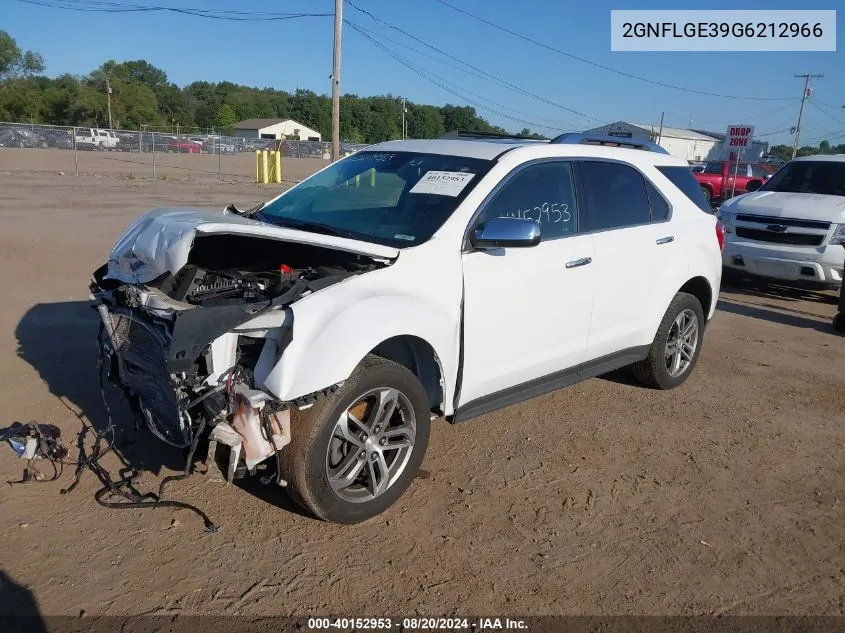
470, 135
580, 138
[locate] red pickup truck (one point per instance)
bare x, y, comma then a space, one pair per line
717, 177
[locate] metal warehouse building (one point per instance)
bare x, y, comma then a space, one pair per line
276, 129
686, 144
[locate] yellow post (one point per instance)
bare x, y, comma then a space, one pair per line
257, 166
278, 167
373, 177
266, 175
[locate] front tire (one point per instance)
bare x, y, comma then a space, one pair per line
676, 346
353, 454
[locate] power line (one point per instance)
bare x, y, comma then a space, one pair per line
555, 124
95, 6
825, 112
439, 81
490, 76
601, 66
741, 117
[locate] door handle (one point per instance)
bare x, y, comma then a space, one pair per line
666, 240
579, 262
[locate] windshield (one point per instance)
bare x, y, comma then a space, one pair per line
394, 198
810, 176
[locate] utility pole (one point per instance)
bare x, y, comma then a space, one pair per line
660, 134
338, 23
806, 77
403, 118
108, 96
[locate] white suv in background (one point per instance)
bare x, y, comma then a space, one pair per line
322, 331
792, 228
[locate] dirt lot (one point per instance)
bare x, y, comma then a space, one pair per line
724, 496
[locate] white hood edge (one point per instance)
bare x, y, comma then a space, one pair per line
159, 241
779, 204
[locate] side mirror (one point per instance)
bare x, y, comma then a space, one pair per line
507, 233
754, 184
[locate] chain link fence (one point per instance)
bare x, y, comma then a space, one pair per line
154, 151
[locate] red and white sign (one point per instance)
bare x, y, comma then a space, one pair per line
739, 137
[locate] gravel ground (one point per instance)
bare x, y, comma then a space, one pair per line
721, 497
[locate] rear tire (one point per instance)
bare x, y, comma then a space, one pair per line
708, 194
343, 443
676, 346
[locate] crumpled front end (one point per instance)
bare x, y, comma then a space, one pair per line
192, 344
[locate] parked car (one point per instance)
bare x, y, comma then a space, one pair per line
217, 145
320, 333
184, 146
768, 159
717, 178
95, 138
20, 137
56, 138
792, 227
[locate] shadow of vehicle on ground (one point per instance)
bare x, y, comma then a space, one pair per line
19, 611
756, 289
59, 340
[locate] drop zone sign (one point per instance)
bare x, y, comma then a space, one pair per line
739, 137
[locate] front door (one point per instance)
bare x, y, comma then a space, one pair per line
527, 310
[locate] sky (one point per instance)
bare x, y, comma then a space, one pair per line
297, 53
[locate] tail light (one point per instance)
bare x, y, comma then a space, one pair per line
720, 234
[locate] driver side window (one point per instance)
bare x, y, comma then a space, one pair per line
543, 192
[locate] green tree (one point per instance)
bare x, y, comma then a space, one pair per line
16, 63
783, 152
824, 147
226, 117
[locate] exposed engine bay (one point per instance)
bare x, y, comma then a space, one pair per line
191, 349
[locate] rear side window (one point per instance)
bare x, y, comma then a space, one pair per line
615, 195
683, 179
713, 168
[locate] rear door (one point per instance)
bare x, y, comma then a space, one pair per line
527, 310
635, 247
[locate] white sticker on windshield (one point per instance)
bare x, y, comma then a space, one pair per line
442, 183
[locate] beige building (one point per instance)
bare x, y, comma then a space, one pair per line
276, 129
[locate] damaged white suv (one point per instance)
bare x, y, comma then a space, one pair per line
317, 335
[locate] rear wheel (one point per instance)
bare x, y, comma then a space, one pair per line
676, 346
707, 194
353, 454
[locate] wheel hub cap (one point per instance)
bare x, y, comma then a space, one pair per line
371, 445
681, 343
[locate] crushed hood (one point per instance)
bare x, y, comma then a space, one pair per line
782, 204
159, 241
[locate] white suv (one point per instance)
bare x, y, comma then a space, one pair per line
318, 334
791, 228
